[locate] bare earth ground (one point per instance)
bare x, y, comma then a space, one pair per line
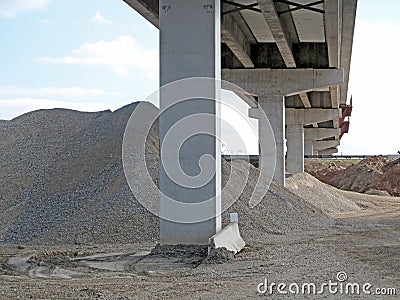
62, 183
365, 244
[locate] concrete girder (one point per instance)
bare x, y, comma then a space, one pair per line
237, 16
274, 23
234, 37
349, 15
329, 151
281, 39
320, 133
283, 82
333, 21
311, 115
305, 99
321, 145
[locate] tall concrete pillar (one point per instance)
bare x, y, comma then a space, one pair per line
274, 108
295, 148
190, 47
308, 146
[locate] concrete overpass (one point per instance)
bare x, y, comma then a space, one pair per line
293, 57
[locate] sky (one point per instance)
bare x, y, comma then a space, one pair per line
99, 54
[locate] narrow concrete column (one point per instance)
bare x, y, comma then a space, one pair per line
295, 148
190, 47
308, 146
274, 108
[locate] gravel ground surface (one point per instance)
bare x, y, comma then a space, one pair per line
62, 182
71, 229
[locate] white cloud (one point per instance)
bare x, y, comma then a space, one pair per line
46, 21
11, 108
10, 8
374, 83
99, 18
120, 55
71, 92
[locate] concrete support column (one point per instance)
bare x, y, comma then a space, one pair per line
190, 42
308, 146
295, 148
274, 108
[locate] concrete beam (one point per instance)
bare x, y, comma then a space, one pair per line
147, 8
241, 22
320, 133
321, 145
329, 151
284, 82
310, 116
234, 37
333, 21
281, 39
275, 26
306, 101
349, 16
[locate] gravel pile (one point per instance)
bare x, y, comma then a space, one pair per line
62, 182
319, 194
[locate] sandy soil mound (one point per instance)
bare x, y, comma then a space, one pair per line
374, 173
62, 182
319, 194
390, 180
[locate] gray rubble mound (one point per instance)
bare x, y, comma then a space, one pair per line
62, 182
321, 195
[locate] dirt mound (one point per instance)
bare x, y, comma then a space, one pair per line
324, 168
62, 182
374, 173
391, 164
320, 195
390, 181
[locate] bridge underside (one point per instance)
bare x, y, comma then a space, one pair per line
292, 57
